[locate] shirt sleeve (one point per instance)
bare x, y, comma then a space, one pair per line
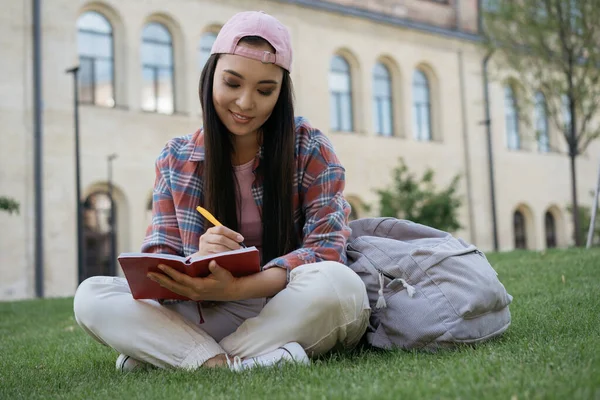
326, 230
162, 236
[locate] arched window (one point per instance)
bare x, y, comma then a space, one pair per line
421, 106
157, 67
96, 60
550, 227
204, 48
382, 100
541, 123
566, 112
513, 139
340, 89
97, 234
519, 230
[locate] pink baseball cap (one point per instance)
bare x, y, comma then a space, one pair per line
255, 23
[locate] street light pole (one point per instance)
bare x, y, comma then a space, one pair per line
80, 245
113, 242
38, 126
490, 152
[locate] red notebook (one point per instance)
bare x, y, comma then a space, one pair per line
242, 262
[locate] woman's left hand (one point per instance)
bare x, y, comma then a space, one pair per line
220, 285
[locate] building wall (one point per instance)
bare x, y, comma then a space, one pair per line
450, 14
16, 150
524, 179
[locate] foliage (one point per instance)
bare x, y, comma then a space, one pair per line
552, 48
585, 216
9, 205
418, 200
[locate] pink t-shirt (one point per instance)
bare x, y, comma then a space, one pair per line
249, 220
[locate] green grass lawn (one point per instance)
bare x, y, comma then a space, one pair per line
552, 350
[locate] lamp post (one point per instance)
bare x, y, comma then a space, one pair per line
113, 245
38, 127
490, 152
80, 245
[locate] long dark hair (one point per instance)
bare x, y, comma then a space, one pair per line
276, 167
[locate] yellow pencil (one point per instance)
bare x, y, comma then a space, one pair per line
212, 219
208, 216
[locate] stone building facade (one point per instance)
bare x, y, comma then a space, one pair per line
383, 79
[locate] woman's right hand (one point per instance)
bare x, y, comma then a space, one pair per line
218, 239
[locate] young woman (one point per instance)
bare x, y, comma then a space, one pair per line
274, 182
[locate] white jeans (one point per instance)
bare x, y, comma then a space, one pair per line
325, 305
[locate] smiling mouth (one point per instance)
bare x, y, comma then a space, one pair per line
240, 117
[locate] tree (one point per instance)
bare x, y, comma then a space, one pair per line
585, 214
418, 200
552, 45
8, 204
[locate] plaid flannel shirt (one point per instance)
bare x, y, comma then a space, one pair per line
320, 209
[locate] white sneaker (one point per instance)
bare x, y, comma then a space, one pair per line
291, 352
129, 364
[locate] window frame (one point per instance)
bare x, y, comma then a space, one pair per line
336, 96
201, 65
520, 236
379, 101
416, 107
543, 106
513, 131
93, 59
156, 69
550, 236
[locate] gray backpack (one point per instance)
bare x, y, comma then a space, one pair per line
427, 289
